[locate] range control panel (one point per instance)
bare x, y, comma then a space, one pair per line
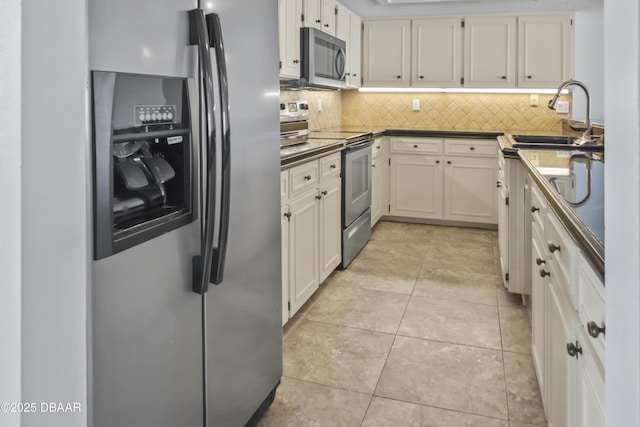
154, 114
291, 111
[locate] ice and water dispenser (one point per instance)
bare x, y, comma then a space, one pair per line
143, 159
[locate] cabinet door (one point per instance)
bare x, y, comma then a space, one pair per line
539, 316
284, 242
330, 229
386, 55
545, 53
590, 404
303, 250
312, 13
490, 52
503, 226
437, 52
416, 186
469, 187
289, 21
354, 51
376, 191
560, 365
329, 16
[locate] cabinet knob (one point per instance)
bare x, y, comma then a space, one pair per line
529, 77
544, 273
437, 162
574, 349
534, 209
472, 148
317, 21
307, 177
355, 75
319, 197
288, 214
398, 77
296, 61
373, 166
324, 192
498, 184
415, 146
326, 25
503, 77
448, 162
540, 261
422, 77
553, 248
348, 74
594, 329
332, 166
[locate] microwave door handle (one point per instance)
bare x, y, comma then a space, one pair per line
343, 68
202, 263
220, 249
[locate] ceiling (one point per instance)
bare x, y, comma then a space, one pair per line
407, 8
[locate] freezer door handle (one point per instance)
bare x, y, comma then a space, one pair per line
202, 263
220, 249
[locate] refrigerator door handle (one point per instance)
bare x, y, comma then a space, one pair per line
220, 249
202, 263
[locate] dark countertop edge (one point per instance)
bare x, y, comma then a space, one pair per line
592, 248
307, 156
442, 134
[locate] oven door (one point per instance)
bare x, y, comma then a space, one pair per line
356, 181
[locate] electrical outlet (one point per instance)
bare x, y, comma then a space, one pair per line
563, 107
319, 104
416, 105
533, 100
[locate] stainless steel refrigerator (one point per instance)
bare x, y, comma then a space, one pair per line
185, 295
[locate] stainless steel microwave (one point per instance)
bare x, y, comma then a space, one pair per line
323, 59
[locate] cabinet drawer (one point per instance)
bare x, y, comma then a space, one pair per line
284, 186
302, 178
538, 209
591, 305
330, 167
559, 247
471, 147
416, 145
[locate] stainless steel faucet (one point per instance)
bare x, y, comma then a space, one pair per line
553, 104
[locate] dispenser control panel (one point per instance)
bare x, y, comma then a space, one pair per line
154, 114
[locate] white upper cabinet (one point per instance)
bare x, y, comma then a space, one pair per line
320, 14
386, 53
490, 52
436, 52
348, 28
545, 50
289, 22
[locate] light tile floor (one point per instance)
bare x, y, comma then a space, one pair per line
418, 331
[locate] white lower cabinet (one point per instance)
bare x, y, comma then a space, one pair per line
444, 179
567, 316
311, 232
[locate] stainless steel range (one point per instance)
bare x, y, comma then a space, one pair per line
295, 137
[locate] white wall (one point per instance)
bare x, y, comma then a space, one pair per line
54, 209
371, 8
589, 61
622, 212
10, 26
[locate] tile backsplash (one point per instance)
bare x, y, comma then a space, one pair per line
450, 111
331, 114
438, 111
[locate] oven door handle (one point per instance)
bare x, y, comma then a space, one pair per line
359, 145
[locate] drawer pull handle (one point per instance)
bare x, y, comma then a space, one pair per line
498, 184
594, 329
534, 209
333, 166
574, 349
544, 273
553, 248
540, 261
307, 177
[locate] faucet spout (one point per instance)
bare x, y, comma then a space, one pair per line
553, 104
